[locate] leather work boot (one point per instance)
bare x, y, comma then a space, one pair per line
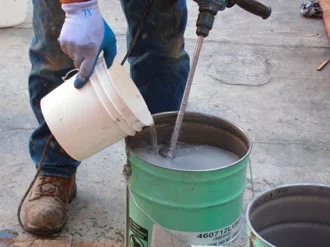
46, 207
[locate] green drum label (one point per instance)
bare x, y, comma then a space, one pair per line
138, 235
221, 237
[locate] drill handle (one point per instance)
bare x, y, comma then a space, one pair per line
255, 8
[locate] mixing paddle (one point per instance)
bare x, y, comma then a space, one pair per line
207, 12
178, 123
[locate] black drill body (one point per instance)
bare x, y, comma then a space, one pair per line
208, 9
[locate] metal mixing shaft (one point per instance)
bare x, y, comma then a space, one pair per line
207, 12
178, 123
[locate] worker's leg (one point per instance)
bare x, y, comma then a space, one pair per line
49, 65
46, 207
159, 63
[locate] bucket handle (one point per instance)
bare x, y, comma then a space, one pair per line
127, 173
251, 179
64, 78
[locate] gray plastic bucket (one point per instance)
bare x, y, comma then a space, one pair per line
290, 216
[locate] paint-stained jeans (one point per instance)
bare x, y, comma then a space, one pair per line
159, 66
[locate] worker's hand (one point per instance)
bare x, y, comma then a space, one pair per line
84, 35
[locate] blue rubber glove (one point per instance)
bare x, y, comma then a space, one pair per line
84, 35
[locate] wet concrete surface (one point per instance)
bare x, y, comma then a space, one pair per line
258, 74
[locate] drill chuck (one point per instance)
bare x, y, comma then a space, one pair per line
207, 12
204, 23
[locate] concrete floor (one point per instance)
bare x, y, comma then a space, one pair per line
259, 74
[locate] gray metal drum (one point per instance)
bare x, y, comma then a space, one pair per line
290, 216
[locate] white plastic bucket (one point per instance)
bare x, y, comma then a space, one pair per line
86, 121
12, 12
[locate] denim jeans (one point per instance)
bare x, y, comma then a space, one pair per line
159, 66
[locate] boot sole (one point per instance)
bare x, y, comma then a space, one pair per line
47, 231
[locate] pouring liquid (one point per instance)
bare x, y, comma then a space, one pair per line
154, 141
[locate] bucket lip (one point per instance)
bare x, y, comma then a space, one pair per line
247, 214
206, 170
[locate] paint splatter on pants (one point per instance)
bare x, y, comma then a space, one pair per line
159, 66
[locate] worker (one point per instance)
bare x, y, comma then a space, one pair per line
71, 34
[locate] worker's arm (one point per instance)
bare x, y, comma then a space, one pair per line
84, 35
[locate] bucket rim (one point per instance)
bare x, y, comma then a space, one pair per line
247, 214
243, 132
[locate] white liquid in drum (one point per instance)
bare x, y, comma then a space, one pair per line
190, 157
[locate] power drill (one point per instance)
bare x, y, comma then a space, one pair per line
208, 9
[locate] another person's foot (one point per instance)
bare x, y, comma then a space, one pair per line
46, 207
